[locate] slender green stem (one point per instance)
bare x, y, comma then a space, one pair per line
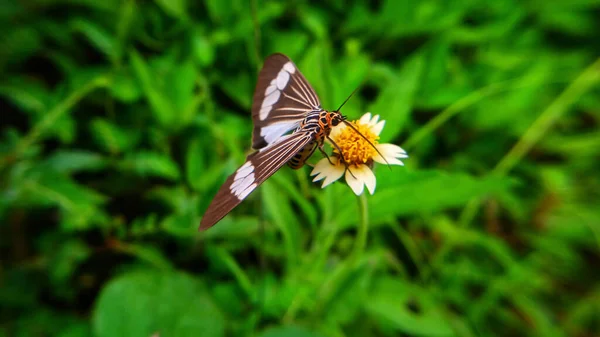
332, 281
363, 227
464, 103
55, 113
145, 254
452, 110
238, 272
584, 82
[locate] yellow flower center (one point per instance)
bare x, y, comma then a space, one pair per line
355, 149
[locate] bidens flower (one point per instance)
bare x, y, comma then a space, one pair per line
358, 154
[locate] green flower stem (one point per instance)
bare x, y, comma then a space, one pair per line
334, 281
326, 291
363, 227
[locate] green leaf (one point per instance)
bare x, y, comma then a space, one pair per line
281, 43
395, 102
175, 8
42, 321
344, 82
81, 329
233, 227
20, 290
111, 137
124, 86
289, 187
150, 164
64, 129
162, 108
344, 290
18, 43
148, 254
431, 190
65, 262
179, 88
27, 94
78, 204
278, 207
314, 22
97, 35
195, 164
203, 50
441, 84
69, 161
239, 88
407, 308
222, 12
316, 67
289, 331
418, 192
144, 303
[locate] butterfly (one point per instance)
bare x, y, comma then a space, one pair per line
283, 101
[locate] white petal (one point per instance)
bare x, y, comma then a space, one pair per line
391, 153
392, 150
337, 171
364, 173
378, 127
355, 184
359, 176
319, 176
320, 167
374, 120
388, 161
324, 170
366, 118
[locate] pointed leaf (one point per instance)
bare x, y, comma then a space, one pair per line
145, 303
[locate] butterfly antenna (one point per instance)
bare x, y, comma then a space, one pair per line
356, 130
347, 99
365, 138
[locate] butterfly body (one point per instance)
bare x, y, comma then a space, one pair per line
289, 124
319, 124
299, 159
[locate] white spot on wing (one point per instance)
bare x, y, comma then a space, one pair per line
264, 112
247, 191
272, 132
244, 170
267, 103
271, 98
289, 67
243, 182
270, 89
273, 90
282, 79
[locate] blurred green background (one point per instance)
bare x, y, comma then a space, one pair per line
120, 120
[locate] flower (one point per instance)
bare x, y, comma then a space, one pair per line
358, 153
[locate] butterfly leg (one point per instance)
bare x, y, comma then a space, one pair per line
325, 153
346, 165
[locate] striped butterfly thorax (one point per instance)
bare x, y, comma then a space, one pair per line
289, 124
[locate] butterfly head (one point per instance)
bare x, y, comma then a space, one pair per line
337, 118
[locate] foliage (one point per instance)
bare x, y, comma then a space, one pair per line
120, 120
